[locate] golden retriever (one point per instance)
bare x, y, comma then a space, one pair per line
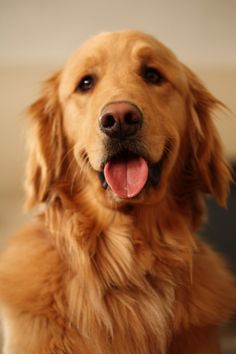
123, 151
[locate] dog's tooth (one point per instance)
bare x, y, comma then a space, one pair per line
105, 185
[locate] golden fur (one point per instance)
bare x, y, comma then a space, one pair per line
98, 274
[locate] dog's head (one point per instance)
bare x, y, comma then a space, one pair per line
128, 121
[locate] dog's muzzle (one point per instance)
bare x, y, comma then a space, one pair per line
126, 169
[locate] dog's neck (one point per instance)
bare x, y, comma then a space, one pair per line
110, 251
140, 229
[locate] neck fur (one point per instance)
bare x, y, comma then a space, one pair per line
139, 254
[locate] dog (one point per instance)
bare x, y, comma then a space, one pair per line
122, 153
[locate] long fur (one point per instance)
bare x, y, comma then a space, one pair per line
94, 276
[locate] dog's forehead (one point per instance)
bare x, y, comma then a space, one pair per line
112, 45
116, 51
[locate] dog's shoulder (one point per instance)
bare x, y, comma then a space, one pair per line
214, 286
30, 270
210, 296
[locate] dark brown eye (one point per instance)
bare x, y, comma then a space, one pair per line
86, 83
152, 76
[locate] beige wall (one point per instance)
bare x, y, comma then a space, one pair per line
37, 36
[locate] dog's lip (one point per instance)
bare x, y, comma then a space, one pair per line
124, 154
154, 168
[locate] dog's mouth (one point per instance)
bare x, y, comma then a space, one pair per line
126, 174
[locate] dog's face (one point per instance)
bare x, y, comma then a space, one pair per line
123, 96
135, 118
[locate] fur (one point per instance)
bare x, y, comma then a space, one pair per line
96, 274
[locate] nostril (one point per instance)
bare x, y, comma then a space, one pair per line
131, 118
128, 118
120, 120
108, 121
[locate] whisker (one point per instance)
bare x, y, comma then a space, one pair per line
69, 167
73, 181
58, 166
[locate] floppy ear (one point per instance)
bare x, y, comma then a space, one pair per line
45, 144
207, 161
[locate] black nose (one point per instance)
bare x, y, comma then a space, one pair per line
120, 120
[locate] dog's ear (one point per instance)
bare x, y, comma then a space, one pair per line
45, 144
207, 161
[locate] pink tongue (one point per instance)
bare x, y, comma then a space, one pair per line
126, 178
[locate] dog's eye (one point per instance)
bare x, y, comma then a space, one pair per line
86, 83
152, 76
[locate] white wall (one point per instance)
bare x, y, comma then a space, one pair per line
36, 37
200, 31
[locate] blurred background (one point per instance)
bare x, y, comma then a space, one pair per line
36, 37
